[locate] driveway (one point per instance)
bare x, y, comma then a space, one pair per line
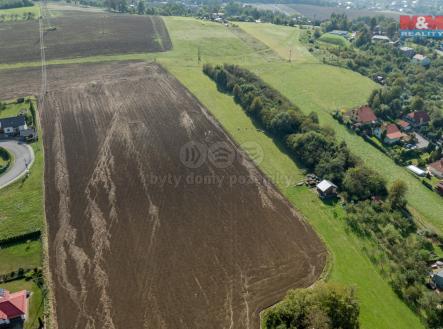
23, 159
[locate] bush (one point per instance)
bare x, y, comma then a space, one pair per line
323, 306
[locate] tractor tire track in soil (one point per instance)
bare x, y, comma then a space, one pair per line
127, 251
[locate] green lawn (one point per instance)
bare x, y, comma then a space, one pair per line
284, 40
35, 303
19, 11
24, 255
12, 109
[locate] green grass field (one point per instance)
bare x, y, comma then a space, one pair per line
23, 255
35, 302
12, 109
335, 40
310, 85
9, 13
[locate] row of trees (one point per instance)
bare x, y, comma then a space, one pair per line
8, 4
315, 146
16, 17
325, 306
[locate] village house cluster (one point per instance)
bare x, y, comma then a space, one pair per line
403, 133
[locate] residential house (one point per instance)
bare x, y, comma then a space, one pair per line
421, 59
380, 38
362, 116
12, 126
407, 51
418, 118
389, 133
436, 168
403, 125
326, 189
13, 308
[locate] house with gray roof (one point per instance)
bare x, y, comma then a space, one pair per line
13, 126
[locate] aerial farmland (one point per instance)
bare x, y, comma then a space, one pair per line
157, 197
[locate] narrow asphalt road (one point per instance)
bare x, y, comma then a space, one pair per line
23, 159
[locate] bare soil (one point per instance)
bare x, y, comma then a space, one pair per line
80, 34
136, 239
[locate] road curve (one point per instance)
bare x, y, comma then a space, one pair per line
23, 159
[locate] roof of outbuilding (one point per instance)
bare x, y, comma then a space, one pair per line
14, 122
325, 185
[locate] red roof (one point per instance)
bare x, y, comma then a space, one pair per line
392, 131
403, 123
13, 305
365, 114
437, 165
419, 116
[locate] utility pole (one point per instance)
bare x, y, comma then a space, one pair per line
290, 55
199, 55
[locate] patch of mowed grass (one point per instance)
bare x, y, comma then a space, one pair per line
24, 255
21, 204
336, 40
284, 40
12, 109
36, 306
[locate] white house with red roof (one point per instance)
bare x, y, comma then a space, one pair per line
362, 115
389, 133
13, 308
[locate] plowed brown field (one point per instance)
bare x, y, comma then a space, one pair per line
136, 240
80, 34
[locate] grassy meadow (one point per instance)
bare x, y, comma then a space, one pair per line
16, 14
